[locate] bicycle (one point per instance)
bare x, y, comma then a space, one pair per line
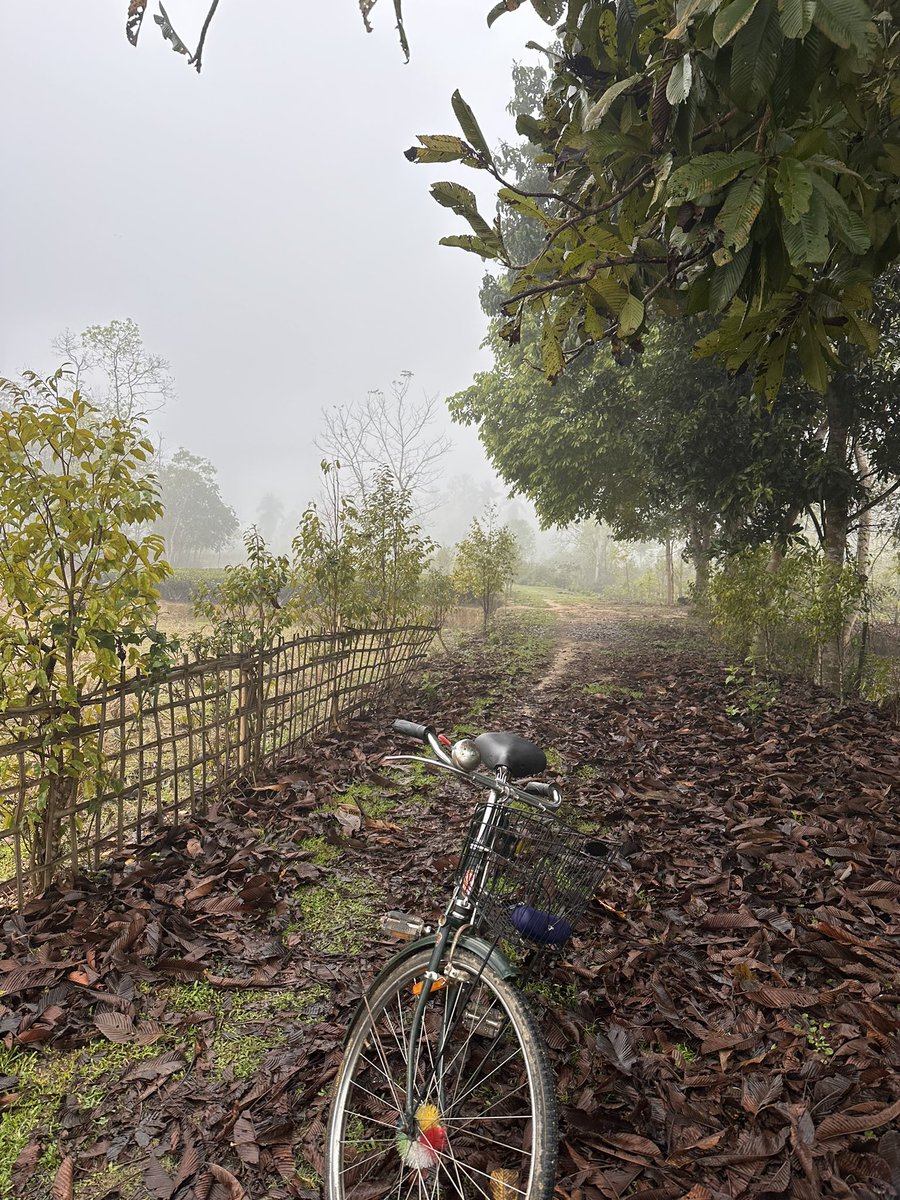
445, 1088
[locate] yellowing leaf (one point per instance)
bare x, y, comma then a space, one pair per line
631, 317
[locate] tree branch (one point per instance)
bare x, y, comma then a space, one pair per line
196, 59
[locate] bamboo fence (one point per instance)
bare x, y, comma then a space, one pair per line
166, 745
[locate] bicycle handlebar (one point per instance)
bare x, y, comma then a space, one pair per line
541, 795
410, 729
426, 734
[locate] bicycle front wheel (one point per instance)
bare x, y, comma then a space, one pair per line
483, 1119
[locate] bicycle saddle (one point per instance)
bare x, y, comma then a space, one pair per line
517, 754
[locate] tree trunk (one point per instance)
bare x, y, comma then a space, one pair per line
698, 548
670, 574
836, 519
865, 520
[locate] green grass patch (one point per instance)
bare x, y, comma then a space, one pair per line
322, 853
563, 995
248, 1022
46, 1080
339, 915
529, 595
368, 798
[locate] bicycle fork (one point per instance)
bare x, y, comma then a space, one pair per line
459, 913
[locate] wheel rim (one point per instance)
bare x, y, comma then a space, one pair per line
473, 1127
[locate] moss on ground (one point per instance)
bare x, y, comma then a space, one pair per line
46, 1081
247, 1021
340, 914
369, 799
320, 852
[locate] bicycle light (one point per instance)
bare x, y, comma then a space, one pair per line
465, 755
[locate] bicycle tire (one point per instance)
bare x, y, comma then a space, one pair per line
469, 1165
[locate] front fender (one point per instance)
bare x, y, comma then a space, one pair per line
479, 946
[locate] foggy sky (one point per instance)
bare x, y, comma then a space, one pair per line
259, 221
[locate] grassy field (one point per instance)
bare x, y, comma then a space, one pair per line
528, 596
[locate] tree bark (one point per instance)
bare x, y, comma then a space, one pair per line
836, 521
670, 574
698, 549
865, 521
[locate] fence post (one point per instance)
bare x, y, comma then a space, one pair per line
243, 746
249, 711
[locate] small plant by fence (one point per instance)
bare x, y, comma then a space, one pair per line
165, 745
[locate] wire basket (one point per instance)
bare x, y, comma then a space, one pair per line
536, 876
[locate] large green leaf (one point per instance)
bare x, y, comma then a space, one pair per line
845, 22
796, 17
609, 292
847, 226
731, 19
685, 11
793, 183
462, 201
504, 6
806, 238
756, 56
725, 280
741, 208
708, 173
631, 318
551, 351
470, 126
599, 108
468, 241
438, 148
679, 86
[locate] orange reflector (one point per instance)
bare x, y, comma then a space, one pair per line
435, 986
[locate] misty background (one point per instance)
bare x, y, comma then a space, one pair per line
259, 222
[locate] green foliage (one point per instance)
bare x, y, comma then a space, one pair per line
752, 693
327, 553
81, 586
184, 582
196, 520
783, 614
613, 690
655, 445
393, 551
250, 606
78, 577
486, 562
702, 160
339, 915
437, 595
361, 561
814, 1033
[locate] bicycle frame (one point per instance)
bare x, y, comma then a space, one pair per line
462, 907
457, 916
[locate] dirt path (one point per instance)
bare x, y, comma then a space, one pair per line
724, 1026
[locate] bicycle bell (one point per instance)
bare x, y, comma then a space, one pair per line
465, 755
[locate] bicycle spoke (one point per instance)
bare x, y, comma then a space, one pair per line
458, 1143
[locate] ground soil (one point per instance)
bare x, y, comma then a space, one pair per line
724, 1023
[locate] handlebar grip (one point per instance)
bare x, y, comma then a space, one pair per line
548, 791
534, 788
410, 729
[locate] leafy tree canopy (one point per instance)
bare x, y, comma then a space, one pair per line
733, 157
196, 520
486, 561
79, 582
